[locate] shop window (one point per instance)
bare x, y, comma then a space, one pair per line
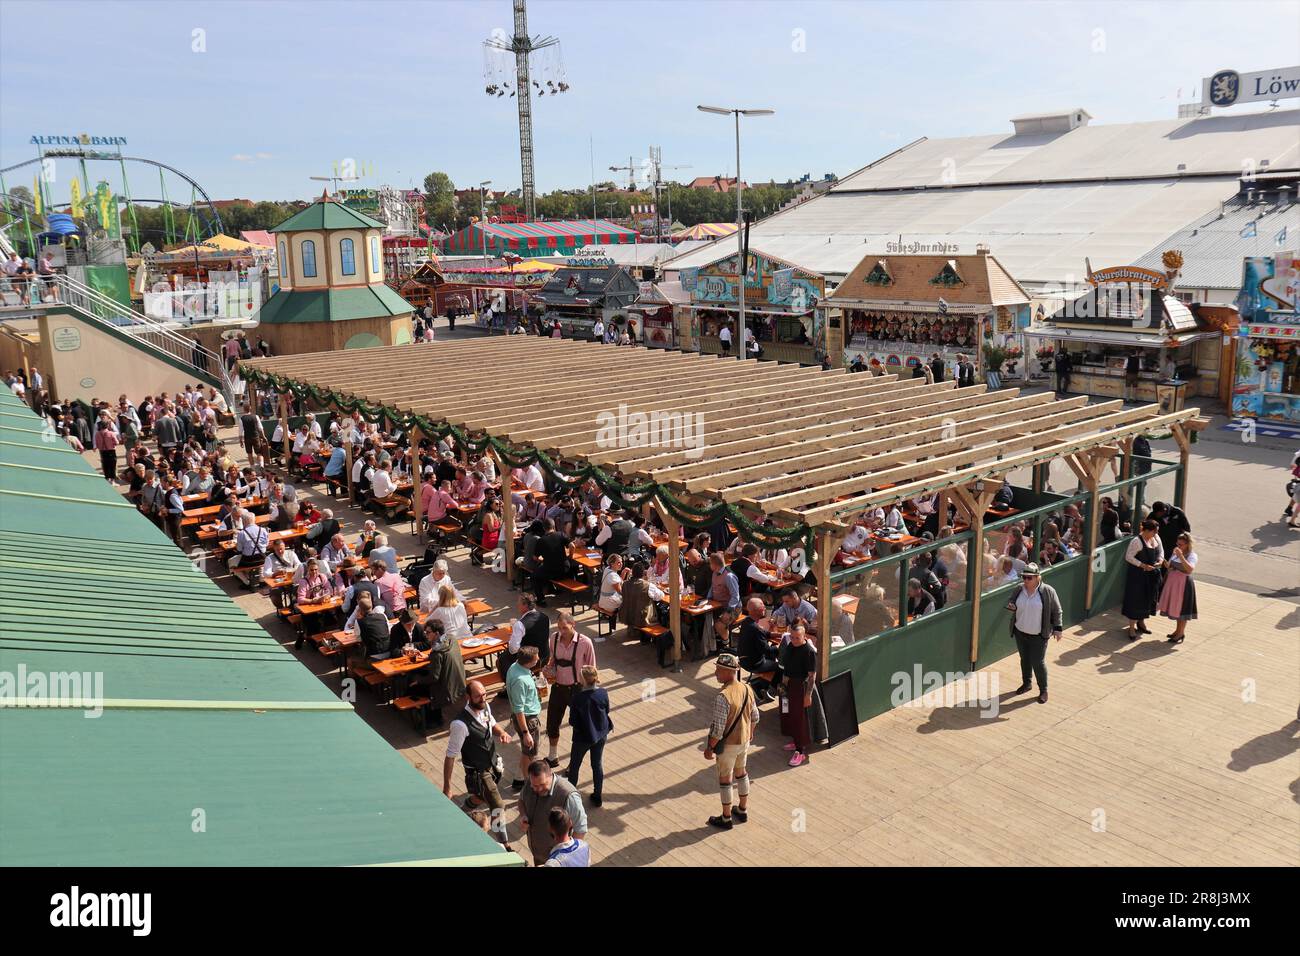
347, 257
308, 258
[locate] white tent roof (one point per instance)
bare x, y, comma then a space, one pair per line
1109, 193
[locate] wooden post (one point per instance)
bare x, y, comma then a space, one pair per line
347, 445
1184, 459
975, 504
674, 583
416, 481
284, 429
507, 518
826, 548
1127, 472
1088, 466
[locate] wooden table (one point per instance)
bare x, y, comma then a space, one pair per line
906, 540
210, 532
589, 558
208, 511
695, 607
474, 607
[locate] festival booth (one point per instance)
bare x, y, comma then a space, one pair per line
577, 297
1129, 309
656, 311
332, 290
529, 239
464, 289
1266, 381
897, 311
214, 279
781, 302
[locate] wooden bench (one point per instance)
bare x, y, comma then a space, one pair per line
389, 506
363, 671
575, 592
609, 618
413, 706
649, 632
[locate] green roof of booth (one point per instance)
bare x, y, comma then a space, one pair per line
333, 305
327, 214
205, 718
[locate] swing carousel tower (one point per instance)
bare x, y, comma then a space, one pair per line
550, 79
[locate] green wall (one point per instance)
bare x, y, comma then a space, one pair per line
941, 642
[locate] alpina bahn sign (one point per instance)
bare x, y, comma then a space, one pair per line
80, 139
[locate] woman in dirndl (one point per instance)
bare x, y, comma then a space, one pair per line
1178, 599
1144, 557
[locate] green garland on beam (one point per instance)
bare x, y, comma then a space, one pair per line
628, 496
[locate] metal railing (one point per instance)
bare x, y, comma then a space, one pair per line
98, 307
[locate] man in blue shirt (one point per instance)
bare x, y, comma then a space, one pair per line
793, 609
338, 461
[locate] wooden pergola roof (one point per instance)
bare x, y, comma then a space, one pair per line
798, 444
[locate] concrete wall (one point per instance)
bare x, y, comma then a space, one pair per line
84, 360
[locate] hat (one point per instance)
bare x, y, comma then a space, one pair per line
1030, 570
428, 469
729, 661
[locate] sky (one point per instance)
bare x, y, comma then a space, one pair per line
252, 99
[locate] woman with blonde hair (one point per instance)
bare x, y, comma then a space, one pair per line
1178, 597
589, 718
451, 613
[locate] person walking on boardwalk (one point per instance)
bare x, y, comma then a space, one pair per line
1035, 615
735, 715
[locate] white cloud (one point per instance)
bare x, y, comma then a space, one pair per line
242, 158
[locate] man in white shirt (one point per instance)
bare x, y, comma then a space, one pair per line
431, 583
381, 482
598, 331
251, 543
313, 426
480, 781
281, 560
532, 478
894, 520
724, 337
855, 541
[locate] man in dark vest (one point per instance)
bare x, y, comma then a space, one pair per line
545, 791
324, 530
553, 550
473, 736
965, 371
615, 537
531, 629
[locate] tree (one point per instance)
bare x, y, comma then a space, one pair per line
440, 201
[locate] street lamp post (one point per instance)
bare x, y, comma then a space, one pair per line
740, 225
482, 200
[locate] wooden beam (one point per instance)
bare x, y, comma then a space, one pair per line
673, 529
859, 503
975, 499
826, 547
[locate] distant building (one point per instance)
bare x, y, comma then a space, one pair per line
231, 203
717, 184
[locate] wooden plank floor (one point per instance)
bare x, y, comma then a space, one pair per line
1146, 755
